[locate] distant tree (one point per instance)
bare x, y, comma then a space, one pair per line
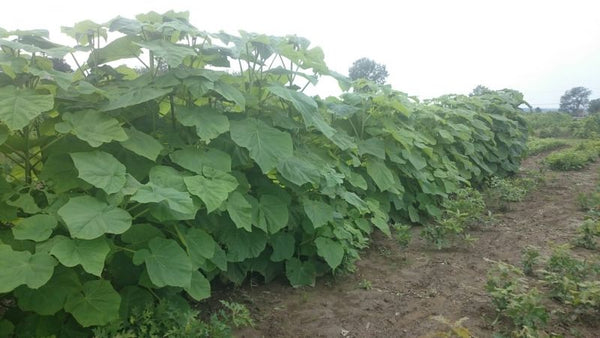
575, 100
480, 90
594, 106
368, 69
61, 65
538, 110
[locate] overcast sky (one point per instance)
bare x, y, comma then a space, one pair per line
430, 48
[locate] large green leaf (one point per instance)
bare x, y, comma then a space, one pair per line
21, 267
209, 122
134, 298
172, 53
87, 218
140, 233
306, 106
120, 48
101, 170
63, 80
267, 146
330, 250
381, 174
166, 262
200, 245
319, 213
299, 171
60, 174
96, 304
92, 126
7, 328
132, 96
18, 107
283, 244
26, 203
36, 228
90, 254
195, 160
167, 177
212, 187
230, 93
273, 214
300, 273
142, 144
4, 133
199, 287
178, 201
50, 298
374, 146
240, 211
242, 244
415, 159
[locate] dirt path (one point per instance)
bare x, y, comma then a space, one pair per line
409, 286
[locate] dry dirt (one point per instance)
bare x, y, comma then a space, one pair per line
409, 286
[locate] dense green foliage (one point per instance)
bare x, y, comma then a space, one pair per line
574, 158
551, 124
121, 186
561, 125
537, 146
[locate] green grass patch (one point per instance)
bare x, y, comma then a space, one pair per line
540, 145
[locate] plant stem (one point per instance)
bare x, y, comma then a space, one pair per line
124, 248
172, 102
77, 63
181, 239
27, 156
141, 213
16, 162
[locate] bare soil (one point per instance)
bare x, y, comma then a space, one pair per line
396, 292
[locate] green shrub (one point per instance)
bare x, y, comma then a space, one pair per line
403, 234
589, 230
178, 321
588, 127
514, 299
551, 124
529, 259
461, 211
588, 201
573, 158
537, 146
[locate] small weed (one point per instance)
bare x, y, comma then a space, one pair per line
588, 231
514, 299
510, 190
239, 314
529, 258
384, 251
455, 329
175, 319
365, 284
588, 201
403, 235
461, 211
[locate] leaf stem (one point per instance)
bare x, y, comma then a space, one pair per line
180, 236
141, 213
124, 248
77, 63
